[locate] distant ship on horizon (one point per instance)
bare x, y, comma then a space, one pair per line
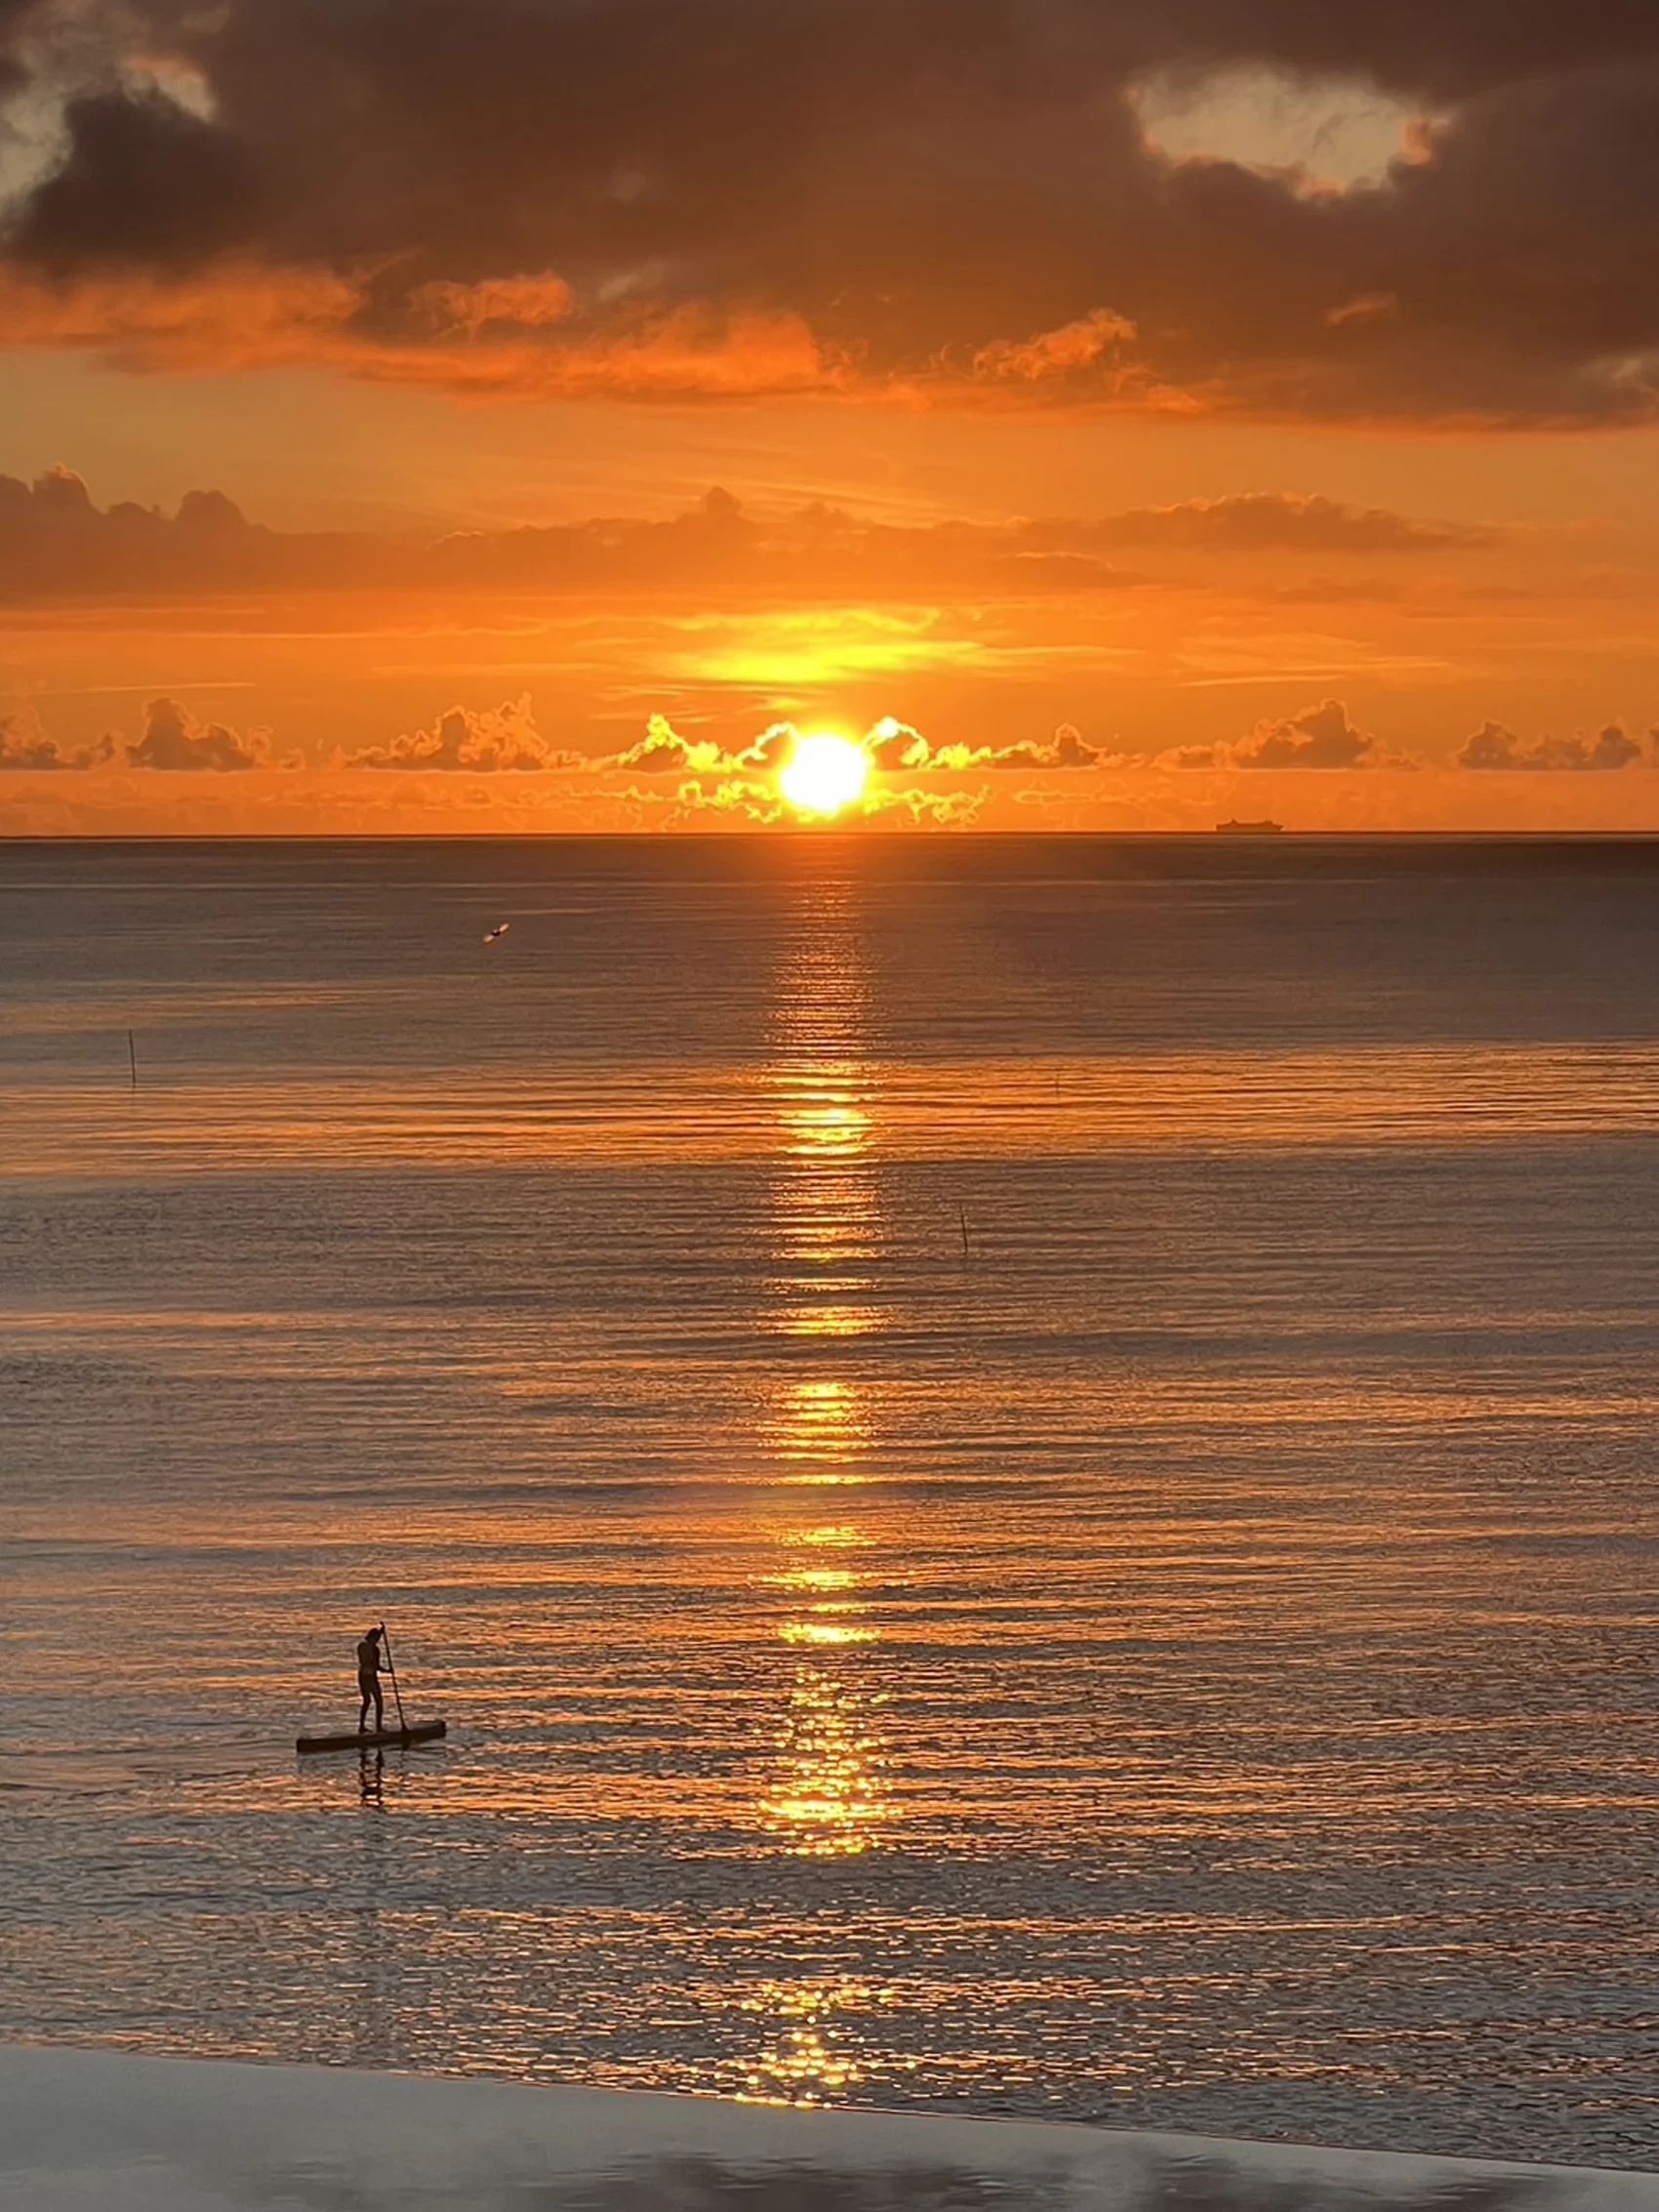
1237, 829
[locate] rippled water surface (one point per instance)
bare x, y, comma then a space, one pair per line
1023, 1470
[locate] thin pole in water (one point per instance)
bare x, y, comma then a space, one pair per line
962, 1216
132, 1059
392, 1669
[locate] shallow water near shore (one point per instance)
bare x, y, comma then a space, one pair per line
82, 2130
1023, 1469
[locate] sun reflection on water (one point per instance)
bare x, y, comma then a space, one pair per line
829, 1800
826, 1214
827, 1791
809, 2057
819, 1432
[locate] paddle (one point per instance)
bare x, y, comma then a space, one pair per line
386, 1646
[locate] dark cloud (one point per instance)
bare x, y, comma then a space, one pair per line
936, 196
143, 181
171, 738
1494, 747
1320, 737
55, 542
499, 740
1260, 521
24, 745
819, 552
13, 68
662, 751
174, 740
1442, 49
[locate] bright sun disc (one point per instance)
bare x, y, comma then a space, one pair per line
824, 774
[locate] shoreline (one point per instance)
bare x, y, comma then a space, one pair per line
92, 2130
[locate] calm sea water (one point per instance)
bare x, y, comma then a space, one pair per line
1025, 1470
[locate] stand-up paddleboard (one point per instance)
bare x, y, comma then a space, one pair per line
372, 1738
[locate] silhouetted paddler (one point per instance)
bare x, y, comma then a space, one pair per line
369, 1680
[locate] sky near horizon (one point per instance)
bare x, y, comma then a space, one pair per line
527, 414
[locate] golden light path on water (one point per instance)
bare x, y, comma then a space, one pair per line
828, 1794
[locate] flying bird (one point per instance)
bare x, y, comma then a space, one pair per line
499, 930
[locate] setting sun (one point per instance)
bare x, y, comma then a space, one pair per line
824, 773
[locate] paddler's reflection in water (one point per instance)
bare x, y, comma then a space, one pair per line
371, 1777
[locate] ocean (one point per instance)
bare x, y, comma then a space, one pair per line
1023, 1469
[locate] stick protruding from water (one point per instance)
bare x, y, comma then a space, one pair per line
132, 1059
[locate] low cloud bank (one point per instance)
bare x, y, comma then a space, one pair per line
499, 740
57, 544
25, 747
665, 766
174, 741
1320, 737
1493, 747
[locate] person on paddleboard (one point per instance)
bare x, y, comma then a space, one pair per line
369, 1681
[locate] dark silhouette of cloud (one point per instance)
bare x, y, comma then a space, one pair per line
499, 740
55, 542
151, 182
174, 740
1258, 522
24, 745
1320, 737
662, 751
947, 198
1494, 747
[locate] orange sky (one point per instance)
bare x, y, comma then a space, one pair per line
1158, 415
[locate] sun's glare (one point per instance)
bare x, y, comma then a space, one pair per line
824, 773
